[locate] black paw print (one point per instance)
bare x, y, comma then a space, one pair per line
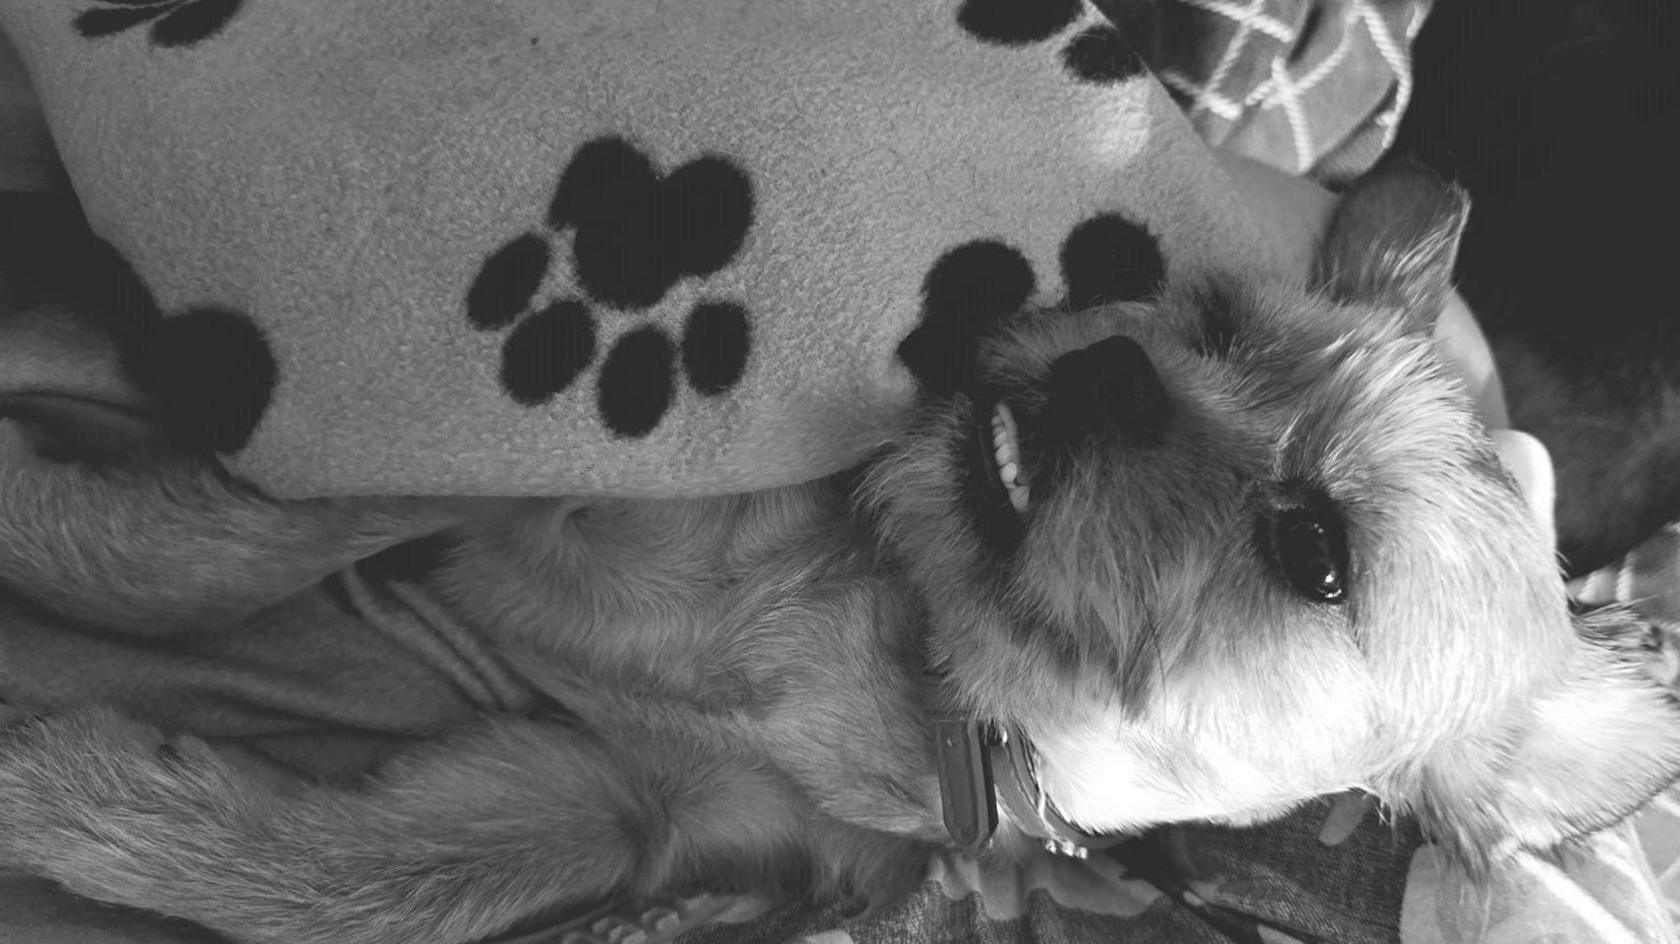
634, 235
208, 371
211, 372
174, 22
1101, 54
975, 286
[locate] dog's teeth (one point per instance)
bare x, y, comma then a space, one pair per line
1018, 496
1006, 453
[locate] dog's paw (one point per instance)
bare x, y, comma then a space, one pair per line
100, 742
84, 793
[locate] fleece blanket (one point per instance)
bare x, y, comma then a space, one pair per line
662, 248
638, 248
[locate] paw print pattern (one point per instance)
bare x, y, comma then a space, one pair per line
209, 370
174, 22
212, 373
974, 286
635, 234
1099, 54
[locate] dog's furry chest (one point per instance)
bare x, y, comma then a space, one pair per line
770, 613
741, 603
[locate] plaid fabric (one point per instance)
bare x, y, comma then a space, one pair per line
1310, 86
1648, 579
1300, 880
1286, 882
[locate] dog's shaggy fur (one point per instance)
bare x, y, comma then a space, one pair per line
1216, 554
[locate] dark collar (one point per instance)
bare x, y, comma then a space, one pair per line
982, 764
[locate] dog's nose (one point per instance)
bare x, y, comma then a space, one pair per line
1110, 384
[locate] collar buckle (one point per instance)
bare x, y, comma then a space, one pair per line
966, 789
981, 765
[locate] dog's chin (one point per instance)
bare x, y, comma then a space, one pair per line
1132, 805
1133, 798
1114, 771
1260, 815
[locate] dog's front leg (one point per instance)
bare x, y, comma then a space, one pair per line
175, 543
458, 840
114, 811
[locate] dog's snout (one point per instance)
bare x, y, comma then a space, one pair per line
1111, 383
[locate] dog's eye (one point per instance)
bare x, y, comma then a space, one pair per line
1311, 551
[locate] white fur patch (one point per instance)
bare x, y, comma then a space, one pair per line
1221, 759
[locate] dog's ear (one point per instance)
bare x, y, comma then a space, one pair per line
1597, 746
1392, 242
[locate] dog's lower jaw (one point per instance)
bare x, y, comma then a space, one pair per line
1201, 751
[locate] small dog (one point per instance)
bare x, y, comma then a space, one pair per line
1200, 558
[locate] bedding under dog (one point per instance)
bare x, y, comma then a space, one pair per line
656, 249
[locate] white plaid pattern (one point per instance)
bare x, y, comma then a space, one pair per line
1272, 29
1648, 579
1659, 833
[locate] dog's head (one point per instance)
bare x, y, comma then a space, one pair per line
1242, 545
